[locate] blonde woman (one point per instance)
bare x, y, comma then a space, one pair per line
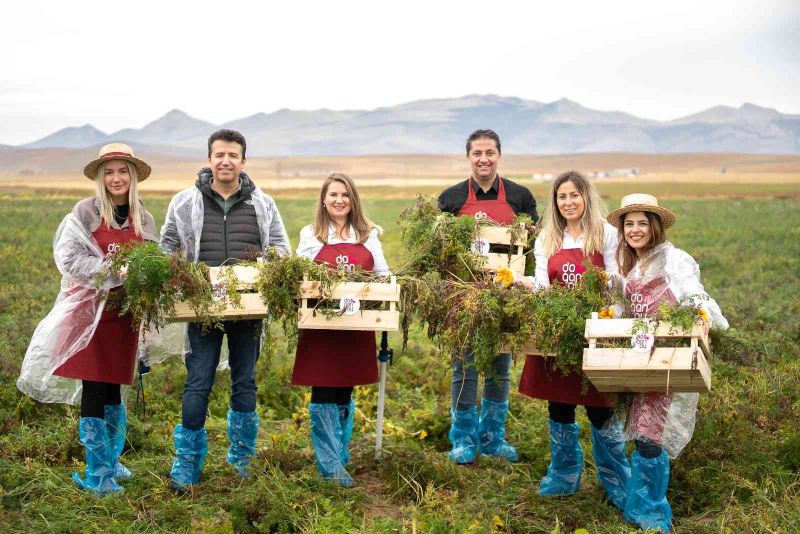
332, 362
82, 338
575, 230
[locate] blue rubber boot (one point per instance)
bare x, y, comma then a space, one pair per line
191, 447
646, 504
346, 421
242, 434
326, 436
566, 461
492, 430
464, 435
613, 467
99, 474
117, 425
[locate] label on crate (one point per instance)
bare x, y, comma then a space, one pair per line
480, 246
219, 291
350, 304
642, 342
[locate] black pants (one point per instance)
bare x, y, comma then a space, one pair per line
96, 395
324, 395
565, 414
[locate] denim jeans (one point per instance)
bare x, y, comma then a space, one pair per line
464, 386
244, 338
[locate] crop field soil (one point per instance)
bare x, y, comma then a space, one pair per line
740, 472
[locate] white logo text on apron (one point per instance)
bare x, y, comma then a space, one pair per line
343, 263
568, 275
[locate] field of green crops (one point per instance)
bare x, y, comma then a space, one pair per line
740, 473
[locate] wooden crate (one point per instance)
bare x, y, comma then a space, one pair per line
385, 319
501, 235
252, 305
525, 350
664, 369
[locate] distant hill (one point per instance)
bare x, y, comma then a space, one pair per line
439, 126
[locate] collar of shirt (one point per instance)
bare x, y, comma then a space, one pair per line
570, 242
334, 239
477, 188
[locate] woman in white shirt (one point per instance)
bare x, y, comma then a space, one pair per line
655, 273
332, 362
574, 231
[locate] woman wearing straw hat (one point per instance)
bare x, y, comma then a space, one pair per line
574, 231
655, 273
332, 362
82, 338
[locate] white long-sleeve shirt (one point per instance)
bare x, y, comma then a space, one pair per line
610, 240
310, 246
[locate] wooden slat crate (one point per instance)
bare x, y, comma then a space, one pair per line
252, 305
525, 350
664, 369
501, 235
385, 319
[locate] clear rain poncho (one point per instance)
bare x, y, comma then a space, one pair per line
667, 275
71, 323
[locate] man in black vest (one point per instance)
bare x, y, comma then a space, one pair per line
224, 218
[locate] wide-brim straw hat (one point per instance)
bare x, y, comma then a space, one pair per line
641, 202
114, 151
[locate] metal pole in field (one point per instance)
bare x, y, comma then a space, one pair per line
385, 355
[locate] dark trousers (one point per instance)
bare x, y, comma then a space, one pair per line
244, 338
95, 396
565, 414
325, 395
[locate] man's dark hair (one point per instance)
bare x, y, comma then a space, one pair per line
483, 134
231, 136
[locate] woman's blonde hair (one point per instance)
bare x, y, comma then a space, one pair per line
107, 205
626, 256
357, 216
594, 214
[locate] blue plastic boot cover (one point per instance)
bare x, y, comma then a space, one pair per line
346, 421
99, 474
492, 430
326, 436
242, 434
117, 424
613, 467
566, 461
191, 447
464, 435
646, 504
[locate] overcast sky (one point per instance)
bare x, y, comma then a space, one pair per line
124, 64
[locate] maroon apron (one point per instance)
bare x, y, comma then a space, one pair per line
498, 210
540, 378
110, 356
337, 358
648, 411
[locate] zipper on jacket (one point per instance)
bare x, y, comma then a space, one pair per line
225, 233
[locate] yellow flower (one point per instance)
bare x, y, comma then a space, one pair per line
422, 434
607, 313
504, 277
702, 313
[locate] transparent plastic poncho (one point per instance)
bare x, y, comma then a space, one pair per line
667, 275
71, 323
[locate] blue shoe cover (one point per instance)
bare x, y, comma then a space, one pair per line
326, 436
99, 475
191, 447
613, 467
566, 461
464, 435
242, 434
492, 430
646, 504
117, 423
346, 421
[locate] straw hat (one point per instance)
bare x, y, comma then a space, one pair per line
117, 151
641, 202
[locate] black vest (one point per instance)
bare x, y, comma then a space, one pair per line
234, 236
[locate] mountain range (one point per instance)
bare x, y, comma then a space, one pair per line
440, 126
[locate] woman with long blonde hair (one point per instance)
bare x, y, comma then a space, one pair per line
332, 362
83, 338
575, 231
